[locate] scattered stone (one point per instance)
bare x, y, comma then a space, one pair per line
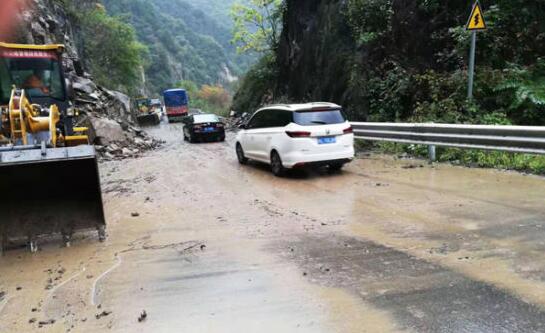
135, 214
46, 322
89, 276
32, 320
203, 247
19, 288
113, 147
143, 316
84, 85
2, 295
412, 166
34, 310
304, 273
103, 314
107, 131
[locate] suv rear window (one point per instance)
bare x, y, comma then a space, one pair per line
313, 118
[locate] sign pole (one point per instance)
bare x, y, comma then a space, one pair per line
472, 64
475, 23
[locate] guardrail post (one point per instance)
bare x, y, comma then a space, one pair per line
432, 153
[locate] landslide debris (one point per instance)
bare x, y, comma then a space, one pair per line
108, 115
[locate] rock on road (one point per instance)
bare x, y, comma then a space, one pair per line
198, 243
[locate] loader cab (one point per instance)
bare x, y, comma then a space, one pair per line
36, 69
142, 105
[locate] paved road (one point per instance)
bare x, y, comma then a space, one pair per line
385, 246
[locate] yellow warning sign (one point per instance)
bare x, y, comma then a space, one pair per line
476, 20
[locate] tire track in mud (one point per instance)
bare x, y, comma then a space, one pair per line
60, 285
4, 303
118, 257
101, 276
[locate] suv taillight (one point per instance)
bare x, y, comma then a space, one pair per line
298, 134
348, 130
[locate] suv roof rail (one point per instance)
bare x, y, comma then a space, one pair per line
278, 104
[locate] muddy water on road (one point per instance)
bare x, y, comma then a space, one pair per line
216, 247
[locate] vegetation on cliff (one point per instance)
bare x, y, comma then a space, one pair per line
393, 60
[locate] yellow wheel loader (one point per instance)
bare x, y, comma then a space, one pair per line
49, 181
148, 112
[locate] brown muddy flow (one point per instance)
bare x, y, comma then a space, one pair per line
202, 244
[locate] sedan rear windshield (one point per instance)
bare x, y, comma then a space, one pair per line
327, 117
205, 118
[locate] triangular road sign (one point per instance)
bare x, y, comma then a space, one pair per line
476, 20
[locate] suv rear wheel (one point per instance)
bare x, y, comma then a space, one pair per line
277, 167
240, 155
335, 167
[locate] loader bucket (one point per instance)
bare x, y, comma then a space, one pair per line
148, 120
49, 191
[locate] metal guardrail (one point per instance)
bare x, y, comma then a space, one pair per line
516, 139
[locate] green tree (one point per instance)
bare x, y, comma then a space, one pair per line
257, 25
523, 93
113, 54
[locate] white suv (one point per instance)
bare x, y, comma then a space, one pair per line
296, 136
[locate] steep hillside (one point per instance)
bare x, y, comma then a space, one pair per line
183, 42
217, 9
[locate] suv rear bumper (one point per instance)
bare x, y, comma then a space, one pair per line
297, 159
320, 163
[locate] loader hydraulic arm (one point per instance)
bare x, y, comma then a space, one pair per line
24, 119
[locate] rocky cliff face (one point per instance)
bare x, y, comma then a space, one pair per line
321, 58
107, 113
46, 22
315, 52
